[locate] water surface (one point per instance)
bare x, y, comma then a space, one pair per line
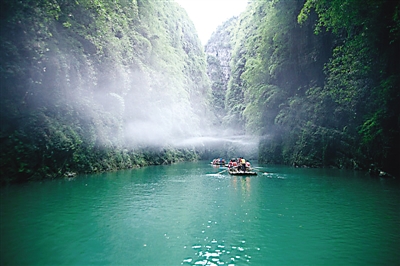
195, 214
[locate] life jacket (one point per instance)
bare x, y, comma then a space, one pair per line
234, 163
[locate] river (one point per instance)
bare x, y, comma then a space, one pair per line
191, 214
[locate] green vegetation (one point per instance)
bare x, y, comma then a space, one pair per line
97, 85
319, 82
80, 78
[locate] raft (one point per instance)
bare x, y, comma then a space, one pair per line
242, 173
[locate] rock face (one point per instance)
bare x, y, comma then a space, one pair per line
219, 52
85, 87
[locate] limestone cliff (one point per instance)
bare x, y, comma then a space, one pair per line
219, 52
87, 85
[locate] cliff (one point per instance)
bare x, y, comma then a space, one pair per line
219, 54
96, 85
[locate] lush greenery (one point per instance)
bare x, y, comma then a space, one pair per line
95, 85
319, 81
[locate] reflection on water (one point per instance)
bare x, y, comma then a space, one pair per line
213, 251
216, 253
194, 214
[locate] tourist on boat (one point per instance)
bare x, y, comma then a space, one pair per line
232, 164
248, 166
218, 161
243, 164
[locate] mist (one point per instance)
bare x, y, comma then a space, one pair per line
93, 88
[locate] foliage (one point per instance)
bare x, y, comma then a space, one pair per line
362, 78
320, 95
97, 85
79, 76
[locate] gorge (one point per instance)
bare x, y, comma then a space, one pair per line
99, 85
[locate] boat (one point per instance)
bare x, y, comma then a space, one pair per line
223, 164
218, 162
235, 172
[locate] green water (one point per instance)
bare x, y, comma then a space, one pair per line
187, 214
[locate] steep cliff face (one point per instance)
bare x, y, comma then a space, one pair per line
326, 99
219, 53
86, 84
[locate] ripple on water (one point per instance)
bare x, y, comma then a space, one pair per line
217, 252
274, 175
217, 175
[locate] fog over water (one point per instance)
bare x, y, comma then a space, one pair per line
135, 111
151, 117
243, 140
166, 123
159, 131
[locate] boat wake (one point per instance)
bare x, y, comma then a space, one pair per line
273, 175
217, 175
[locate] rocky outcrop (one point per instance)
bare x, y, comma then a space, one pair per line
219, 52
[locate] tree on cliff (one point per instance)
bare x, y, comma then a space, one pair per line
85, 84
319, 81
